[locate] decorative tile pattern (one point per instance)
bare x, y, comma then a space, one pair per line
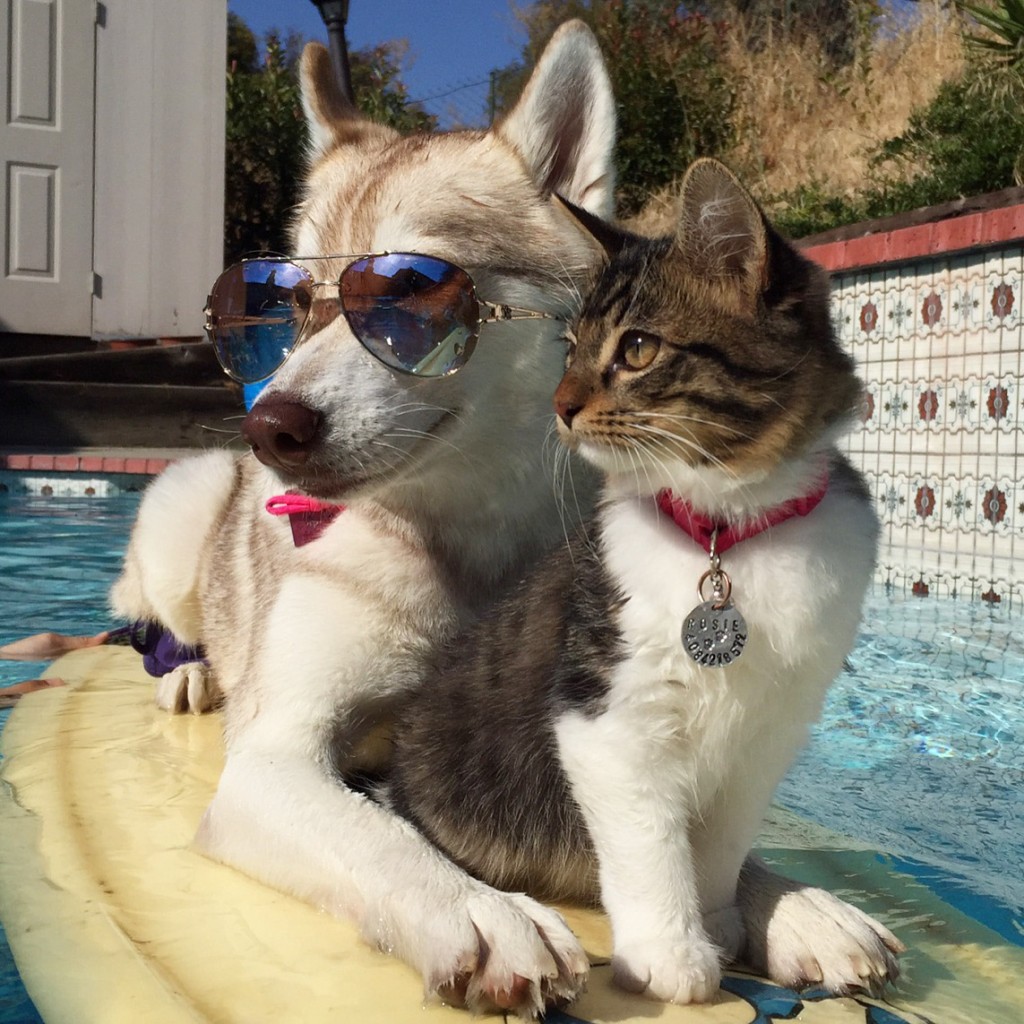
940, 347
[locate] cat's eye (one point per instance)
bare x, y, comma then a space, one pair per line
637, 350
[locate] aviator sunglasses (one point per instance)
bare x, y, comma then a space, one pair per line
417, 314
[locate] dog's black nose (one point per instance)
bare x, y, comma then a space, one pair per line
281, 432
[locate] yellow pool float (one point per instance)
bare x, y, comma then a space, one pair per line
114, 918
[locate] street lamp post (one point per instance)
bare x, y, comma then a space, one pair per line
335, 15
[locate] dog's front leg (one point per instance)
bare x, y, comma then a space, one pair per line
638, 818
160, 581
278, 817
160, 578
282, 814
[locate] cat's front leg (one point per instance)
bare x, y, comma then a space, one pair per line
638, 818
798, 934
795, 934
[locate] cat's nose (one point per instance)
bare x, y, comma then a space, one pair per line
566, 410
571, 396
281, 432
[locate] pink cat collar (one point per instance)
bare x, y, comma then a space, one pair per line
702, 527
307, 516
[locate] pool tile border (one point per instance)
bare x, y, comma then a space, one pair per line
141, 465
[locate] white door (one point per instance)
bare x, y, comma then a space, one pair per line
48, 50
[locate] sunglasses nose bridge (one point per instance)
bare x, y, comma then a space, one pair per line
330, 289
316, 320
303, 331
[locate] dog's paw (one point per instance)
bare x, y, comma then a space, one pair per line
188, 688
525, 958
816, 938
683, 969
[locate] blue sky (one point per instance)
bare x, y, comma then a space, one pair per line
450, 43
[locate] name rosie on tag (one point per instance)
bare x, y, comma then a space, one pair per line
714, 636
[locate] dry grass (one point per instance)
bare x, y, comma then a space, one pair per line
799, 123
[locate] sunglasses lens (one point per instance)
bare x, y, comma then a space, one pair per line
257, 310
414, 313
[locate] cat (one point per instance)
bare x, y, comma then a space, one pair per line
614, 730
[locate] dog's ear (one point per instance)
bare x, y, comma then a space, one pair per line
563, 125
331, 118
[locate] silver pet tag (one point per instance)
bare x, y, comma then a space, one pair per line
715, 633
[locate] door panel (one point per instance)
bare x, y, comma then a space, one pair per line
46, 144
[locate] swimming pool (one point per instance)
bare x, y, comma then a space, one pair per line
918, 758
58, 556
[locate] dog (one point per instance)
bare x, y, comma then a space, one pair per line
447, 498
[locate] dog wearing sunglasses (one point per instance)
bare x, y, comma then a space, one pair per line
415, 494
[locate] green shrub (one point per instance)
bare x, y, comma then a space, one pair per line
266, 132
808, 209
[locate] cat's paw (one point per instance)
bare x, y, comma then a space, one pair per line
813, 937
188, 688
681, 969
525, 958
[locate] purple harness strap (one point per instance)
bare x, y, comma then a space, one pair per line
161, 650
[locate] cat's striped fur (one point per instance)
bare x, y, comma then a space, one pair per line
568, 746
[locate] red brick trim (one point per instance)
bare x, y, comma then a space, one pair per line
84, 464
957, 234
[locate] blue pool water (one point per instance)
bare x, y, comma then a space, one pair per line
919, 755
920, 751
58, 557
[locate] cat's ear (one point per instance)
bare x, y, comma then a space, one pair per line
563, 126
331, 119
721, 229
610, 238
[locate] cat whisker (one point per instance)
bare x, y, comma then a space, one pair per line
224, 443
788, 370
562, 471
667, 436
744, 488
682, 418
664, 462
645, 268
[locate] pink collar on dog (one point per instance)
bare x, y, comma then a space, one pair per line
307, 516
702, 527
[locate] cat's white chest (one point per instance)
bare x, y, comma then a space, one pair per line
657, 568
798, 588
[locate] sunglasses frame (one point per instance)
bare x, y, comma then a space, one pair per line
488, 312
